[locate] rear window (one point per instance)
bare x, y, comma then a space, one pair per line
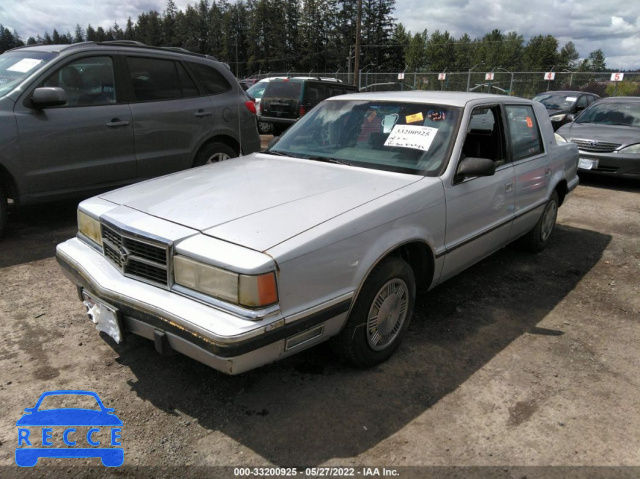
283, 90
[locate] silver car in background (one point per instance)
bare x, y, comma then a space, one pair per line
328, 234
608, 137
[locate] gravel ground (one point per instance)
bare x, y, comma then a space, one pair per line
522, 360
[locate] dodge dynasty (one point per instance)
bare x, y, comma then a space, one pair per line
327, 234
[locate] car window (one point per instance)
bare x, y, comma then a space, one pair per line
87, 82
18, 65
524, 134
257, 90
64, 401
155, 79
402, 137
556, 101
484, 135
283, 89
582, 102
612, 113
211, 79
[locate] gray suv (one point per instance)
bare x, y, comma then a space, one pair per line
88, 117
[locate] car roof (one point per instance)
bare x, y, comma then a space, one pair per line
620, 99
445, 98
566, 92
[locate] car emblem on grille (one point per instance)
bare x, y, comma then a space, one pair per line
593, 143
124, 256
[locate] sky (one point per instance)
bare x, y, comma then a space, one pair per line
611, 25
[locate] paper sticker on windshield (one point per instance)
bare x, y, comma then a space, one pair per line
24, 65
413, 118
571, 98
409, 136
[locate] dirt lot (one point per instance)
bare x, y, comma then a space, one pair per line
523, 360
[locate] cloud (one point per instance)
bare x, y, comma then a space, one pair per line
611, 25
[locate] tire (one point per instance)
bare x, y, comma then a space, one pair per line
365, 340
537, 239
264, 128
278, 129
213, 153
4, 209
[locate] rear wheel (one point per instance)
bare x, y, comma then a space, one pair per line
379, 319
264, 128
538, 238
213, 153
4, 209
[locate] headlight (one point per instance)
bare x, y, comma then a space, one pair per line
559, 138
90, 227
631, 149
244, 290
558, 117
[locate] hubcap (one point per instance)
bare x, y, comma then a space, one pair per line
549, 220
216, 157
387, 314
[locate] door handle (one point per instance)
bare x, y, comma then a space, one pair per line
508, 187
202, 113
547, 172
117, 122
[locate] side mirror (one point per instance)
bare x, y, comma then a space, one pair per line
570, 117
472, 166
48, 96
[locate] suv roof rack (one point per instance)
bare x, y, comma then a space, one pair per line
124, 43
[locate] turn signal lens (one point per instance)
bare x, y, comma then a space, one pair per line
257, 291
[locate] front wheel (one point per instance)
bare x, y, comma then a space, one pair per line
213, 153
538, 238
380, 316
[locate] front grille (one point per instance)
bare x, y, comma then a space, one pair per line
595, 146
135, 257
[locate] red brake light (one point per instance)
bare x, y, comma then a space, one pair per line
303, 110
251, 106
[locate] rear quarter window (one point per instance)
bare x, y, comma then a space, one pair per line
211, 79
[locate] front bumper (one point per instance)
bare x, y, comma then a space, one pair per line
613, 164
222, 341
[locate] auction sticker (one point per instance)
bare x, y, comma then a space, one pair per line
410, 136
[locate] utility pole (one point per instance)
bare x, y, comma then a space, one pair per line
356, 69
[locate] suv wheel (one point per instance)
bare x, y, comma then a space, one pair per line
214, 153
264, 128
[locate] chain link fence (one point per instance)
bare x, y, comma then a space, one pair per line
522, 84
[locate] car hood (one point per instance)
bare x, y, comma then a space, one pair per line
260, 200
557, 112
621, 134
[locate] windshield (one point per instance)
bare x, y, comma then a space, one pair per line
612, 114
392, 136
257, 90
556, 102
18, 65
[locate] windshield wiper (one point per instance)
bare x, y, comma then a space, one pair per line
328, 159
276, 153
